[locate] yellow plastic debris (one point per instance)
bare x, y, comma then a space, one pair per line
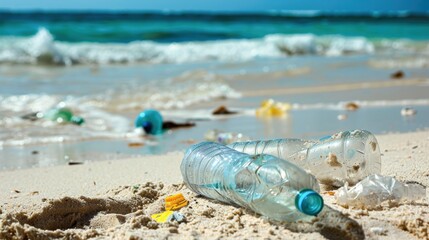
270, 108
162, 217
174, 202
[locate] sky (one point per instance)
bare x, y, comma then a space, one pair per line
218, 5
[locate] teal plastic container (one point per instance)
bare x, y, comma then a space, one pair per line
63, 115
151, 121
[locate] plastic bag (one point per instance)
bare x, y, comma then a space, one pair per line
375, 189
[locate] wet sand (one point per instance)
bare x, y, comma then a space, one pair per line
114, 200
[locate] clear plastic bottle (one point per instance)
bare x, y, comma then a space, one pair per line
150, 120
62, 115
348, 156
263, 183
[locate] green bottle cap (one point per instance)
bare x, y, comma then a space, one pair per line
77, 120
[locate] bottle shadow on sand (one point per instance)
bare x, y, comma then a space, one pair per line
331, 224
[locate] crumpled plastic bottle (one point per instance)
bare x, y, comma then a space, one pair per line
375, 189
347, 156
62, 115
268, 185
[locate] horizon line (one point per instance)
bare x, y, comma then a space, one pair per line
272, 12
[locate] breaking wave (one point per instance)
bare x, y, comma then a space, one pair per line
42, 48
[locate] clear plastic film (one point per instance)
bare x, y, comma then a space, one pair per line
372, 191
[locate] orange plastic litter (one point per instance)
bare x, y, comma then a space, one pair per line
174, 202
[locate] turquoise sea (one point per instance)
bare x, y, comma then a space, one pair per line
109, 66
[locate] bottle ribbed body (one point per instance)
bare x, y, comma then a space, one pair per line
263, 183
347, 156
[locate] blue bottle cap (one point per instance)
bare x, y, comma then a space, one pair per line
309, 202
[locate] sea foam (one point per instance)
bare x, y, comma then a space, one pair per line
43, 49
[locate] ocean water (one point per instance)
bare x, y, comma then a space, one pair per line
109, 66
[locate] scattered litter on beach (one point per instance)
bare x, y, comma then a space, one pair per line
75, 163
163, 217
379, 231
408, 111
342, 117
271, 108
135, 144
168, 216
175, 202
225, 137
222, 110
150, 120
61, 115
179, 217
374, 190
351, 106
168, 125
397, 75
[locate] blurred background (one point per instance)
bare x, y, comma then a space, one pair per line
326, 66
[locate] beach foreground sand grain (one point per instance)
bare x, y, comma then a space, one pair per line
114, 200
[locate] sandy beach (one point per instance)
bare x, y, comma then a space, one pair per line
115, 199
76, 161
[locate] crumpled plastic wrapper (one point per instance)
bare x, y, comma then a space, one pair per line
376, 189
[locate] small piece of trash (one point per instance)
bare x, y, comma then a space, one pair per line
167, 125
397, 75
178, 216
342, 117
75, 163
408, 111
351, 106
162, 217
378, 231
168, 216
136, 188
175, 202
271, 108
222, 110
375, 189
135, 144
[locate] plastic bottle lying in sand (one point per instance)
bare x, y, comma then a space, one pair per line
263, 183
375, 189
225, 137
62, 115
348, 156
150, 120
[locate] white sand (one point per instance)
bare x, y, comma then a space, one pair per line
98, 200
